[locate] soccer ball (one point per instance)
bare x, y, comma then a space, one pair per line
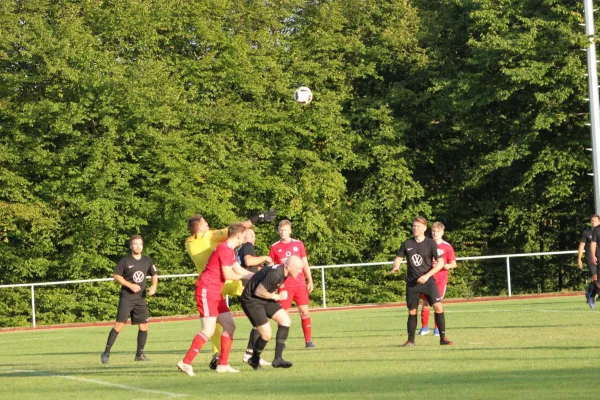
303, 95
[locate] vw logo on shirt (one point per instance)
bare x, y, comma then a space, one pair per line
417, 260
138, 276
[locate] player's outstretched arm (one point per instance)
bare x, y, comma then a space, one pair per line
252, 261
263, 217
235, 272
396, 266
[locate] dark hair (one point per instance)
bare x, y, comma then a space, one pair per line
193, 222
235, 228
134, 237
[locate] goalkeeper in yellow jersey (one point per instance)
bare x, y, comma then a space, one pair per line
200, 246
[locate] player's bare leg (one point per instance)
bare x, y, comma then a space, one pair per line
226, 321
207, 331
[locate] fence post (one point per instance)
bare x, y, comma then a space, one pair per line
323, 286
508, 276
33, 306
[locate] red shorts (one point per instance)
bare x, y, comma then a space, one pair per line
297, 294
441, 286
210, 303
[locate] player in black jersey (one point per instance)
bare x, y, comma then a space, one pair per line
259, 302
131, 273
420, 251
246, 256
588, 241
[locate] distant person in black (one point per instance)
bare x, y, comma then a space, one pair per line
246, 256
260, 302
131, 273
588, 241
420, 251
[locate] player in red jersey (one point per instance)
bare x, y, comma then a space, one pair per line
298, 288
221, 266
446, 251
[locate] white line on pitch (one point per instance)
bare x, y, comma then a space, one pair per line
104, 383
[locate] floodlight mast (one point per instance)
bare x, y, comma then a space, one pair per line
593, 95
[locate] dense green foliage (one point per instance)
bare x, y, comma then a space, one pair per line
122, 117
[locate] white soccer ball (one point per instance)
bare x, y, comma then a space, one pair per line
303, 95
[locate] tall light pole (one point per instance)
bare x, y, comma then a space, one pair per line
588, 9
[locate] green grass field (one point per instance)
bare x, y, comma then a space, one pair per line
519, 349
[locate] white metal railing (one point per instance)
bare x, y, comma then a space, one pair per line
321, 267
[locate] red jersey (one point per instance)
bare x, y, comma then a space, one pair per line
445, 251
212, 277
281, 251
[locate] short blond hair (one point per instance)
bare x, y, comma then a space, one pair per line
438, 225
285, 222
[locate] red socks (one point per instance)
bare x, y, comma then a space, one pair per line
306, 327
197, 344
425, 317
226, 342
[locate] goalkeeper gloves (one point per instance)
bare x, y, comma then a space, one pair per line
266, 216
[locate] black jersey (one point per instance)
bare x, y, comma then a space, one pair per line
586, 237
247, 249
419, 257
135, 271
271, 278
596, 238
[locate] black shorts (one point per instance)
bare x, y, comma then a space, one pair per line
133, 307
593, 268
259, 311
428, 289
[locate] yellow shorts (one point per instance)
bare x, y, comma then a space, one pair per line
232, 288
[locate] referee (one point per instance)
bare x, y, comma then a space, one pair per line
260, 302
131, 273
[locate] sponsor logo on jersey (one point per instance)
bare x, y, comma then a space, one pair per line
138, 276
417, 260
288, 253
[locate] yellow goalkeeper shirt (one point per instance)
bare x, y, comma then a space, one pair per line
201, 246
